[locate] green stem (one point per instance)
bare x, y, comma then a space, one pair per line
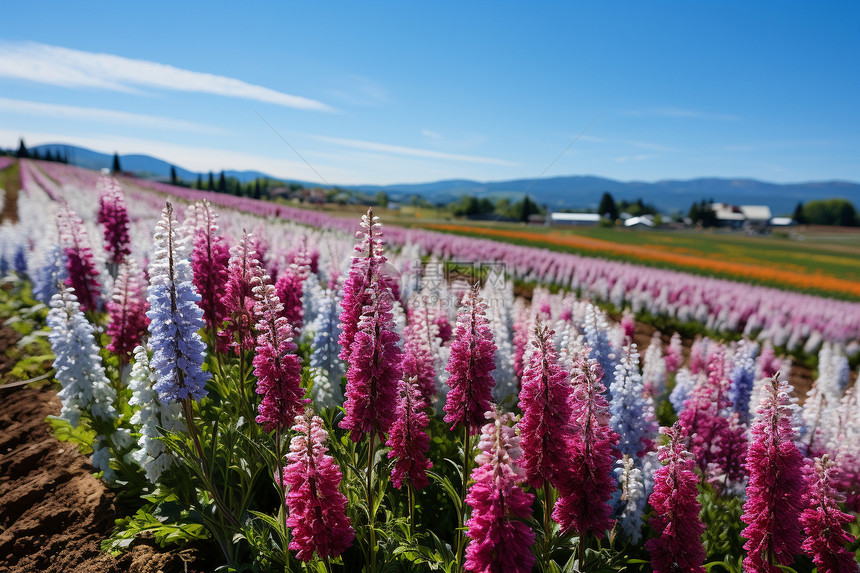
461, 534
282, 509
411, 492
187, 406
371, 513
547, 531
242, 379
581, 550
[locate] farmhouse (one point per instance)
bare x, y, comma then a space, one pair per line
745, 216
581, 219
643, 222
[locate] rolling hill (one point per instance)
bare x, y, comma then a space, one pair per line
568, 192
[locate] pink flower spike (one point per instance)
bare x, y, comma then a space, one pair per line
409, 441
127, 310
674, 353
717, 439
585, 495
374, 367
545, 427
238, 299
276, 364
113, 214
290, 287
500, 537
775, 467
209, 260
420, 344
470, 365
823, 520
81, 269
364, 269
676, 510
317, 509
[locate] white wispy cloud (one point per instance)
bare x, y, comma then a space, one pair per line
409, 151
679, 112
431, 134
780, 144
640, 157
647, 145
65, 67
359, 91
109, 116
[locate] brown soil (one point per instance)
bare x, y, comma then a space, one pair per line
8, 337
53, 512
10, 180
801, 377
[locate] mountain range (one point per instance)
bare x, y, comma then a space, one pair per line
567, 192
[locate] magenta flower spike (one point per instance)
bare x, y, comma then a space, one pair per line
470, 365
628, 325
584, 504
676, 510
408, 440
81, 270
717, 439
674, 353
420, 343
545, 427
290, 287
823, 520
364, 270
210, 257
113, 214
238, 298
775, 467
500, 537
127, 311
374, 368
317, 509
276, 364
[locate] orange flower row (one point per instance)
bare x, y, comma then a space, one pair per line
817, 281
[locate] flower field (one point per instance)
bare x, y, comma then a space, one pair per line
781, 266
293, 391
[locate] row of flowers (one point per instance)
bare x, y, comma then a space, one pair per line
790, 320
208, 336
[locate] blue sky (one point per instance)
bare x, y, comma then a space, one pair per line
392, 92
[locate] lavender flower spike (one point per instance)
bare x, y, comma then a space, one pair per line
178, 351
79, 366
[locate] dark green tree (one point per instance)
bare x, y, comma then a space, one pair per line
830, 212
257, 191
847, 215
607, 207
526, 208
173, 179
799, 217
22, 150
703, 214
211, 186
115, 168
199, 183
222, 183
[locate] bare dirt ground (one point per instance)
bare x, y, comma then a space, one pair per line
53, 512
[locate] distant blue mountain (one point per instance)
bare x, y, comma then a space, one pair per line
141, 165
570, 192
584, 191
